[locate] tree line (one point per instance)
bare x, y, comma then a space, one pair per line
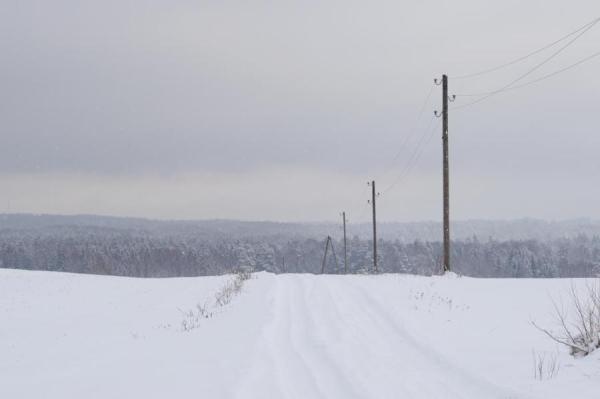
138, 253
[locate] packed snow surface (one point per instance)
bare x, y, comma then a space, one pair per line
284, 336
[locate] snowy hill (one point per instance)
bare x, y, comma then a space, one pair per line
283, 336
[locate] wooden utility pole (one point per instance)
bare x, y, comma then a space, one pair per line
325, 255
446, 173
373, 195
329, 242
345, 248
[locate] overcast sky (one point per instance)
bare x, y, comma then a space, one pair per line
283, 110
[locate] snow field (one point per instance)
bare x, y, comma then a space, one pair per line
285, 336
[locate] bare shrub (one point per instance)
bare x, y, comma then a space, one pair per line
580, 332
233, 287
193, 317
545, 367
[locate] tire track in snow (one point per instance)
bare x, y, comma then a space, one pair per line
279, 369
347, 348
367, 358
318, 336
264, 365
334, 338
444, 376
304, 379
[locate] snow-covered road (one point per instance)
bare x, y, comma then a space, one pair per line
330, 340
285, 336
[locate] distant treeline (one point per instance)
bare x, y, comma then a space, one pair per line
136, 252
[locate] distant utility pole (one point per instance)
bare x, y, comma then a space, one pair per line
325, 255
373, 203
329, 242
446, 184
345, 248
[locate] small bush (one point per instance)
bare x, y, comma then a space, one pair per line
545, 367
232, 288
193, 317
580, 332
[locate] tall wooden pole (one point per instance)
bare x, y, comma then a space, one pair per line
446, 174
345, 248
373, 195
325, 255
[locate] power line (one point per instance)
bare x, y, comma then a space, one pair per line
409, 136
486, 71
583, 60
403, 145
416, 155
416, 159
530, 71
419, 149
361, 210
410, 159
425, 139
416, 148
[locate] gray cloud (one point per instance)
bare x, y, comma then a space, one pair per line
117, 91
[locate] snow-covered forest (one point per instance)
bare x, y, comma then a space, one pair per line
144, 248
